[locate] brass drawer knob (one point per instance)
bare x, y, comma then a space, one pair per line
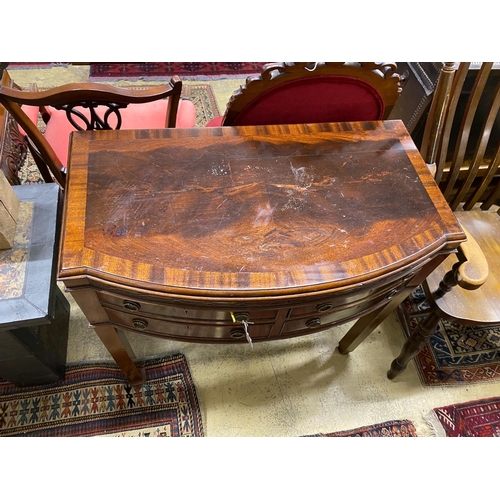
238, 334
131, 305
140, 324
392, 294
313, 323
324, 307
241, 317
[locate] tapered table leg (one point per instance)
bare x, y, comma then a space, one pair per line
121, 352
366, 324
413, 344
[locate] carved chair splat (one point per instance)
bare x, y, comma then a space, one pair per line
90, 106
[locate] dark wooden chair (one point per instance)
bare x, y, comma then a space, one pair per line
300, 92
465, 289
90, 106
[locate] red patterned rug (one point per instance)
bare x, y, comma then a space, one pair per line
184, 70
480, 418
392, 428
455, 354
96, 400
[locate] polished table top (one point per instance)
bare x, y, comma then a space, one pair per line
250, 211
181, 233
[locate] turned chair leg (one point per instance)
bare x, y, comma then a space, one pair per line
424, 329
413, 344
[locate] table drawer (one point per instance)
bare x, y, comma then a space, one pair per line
310, 319
346, 301
230, 332
141, 306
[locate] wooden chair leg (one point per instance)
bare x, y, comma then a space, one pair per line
414, 344
42, 167
425, 328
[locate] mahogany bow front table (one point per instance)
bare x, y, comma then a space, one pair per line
246, 234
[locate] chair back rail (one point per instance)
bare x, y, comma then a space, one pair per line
465, 129
437, 112
99, 103
449, 115
465, 180
478, 158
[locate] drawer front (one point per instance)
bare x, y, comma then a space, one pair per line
316, 320
347, 301
128, 304
230, 332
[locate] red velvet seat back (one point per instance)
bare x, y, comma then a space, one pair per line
315, 100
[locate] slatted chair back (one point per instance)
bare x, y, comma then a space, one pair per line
465, 179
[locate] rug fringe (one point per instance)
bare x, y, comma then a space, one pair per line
434, 424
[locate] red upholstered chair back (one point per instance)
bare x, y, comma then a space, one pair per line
287, 93
310, 101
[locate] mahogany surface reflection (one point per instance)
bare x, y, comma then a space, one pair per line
271, 222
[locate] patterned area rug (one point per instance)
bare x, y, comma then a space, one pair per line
96, 400
36, 65
202, 96
392, 428
456, 354
185, 70
480, 418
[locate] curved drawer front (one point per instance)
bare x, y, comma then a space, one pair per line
213, 323
366, 295
132, 304
324, 315
188, 330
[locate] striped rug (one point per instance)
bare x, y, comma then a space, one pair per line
96, 400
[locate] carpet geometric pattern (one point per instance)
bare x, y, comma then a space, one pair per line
96, 400
479, 418
203, 98
185, 70
455, 354
391, 428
